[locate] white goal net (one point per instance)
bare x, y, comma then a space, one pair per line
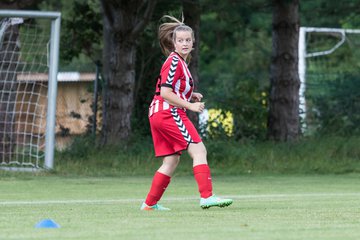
28, 67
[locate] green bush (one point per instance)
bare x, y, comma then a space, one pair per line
226, 157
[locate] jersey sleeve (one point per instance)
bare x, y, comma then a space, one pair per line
170, 71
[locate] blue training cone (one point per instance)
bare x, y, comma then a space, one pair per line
47, 223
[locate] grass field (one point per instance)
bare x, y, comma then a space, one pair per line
265, 207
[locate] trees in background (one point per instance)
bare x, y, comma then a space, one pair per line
18, 4
235, 63
123, 21
283, 118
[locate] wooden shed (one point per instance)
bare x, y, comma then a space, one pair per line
74, 106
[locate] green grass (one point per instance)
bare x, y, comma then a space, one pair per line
265, 207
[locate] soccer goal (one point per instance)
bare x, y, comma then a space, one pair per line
329, 59
29, 53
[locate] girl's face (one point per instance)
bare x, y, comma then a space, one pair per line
183, 43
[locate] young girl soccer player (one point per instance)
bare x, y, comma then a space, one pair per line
172, 131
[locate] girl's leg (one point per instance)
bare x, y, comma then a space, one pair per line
197, 152
162, 179
203, 178
169, 165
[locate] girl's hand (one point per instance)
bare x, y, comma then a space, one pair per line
197, 107
196, 97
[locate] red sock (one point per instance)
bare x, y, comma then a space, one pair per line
158, 186
203, 178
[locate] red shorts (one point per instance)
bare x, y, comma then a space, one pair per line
172, 132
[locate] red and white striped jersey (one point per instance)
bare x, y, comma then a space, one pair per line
176, 75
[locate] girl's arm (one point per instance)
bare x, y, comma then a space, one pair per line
173, 99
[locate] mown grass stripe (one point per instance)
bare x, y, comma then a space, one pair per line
130, 200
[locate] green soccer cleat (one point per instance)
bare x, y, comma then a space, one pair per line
145, 207
214, 201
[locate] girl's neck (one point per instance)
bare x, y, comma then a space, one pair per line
182, 56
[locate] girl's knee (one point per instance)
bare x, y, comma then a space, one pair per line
197, 150
171, 161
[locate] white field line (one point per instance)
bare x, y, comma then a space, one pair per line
256, 197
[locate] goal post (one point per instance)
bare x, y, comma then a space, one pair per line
304, 53
29, 47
